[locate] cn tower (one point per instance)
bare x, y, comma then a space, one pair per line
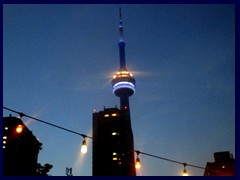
123, 83
113, 147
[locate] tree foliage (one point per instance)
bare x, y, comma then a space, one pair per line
43, 170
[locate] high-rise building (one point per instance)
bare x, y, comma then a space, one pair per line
20, 148
224, 165
113, 146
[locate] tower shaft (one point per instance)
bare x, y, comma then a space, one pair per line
124, 103
122, 55
121, 44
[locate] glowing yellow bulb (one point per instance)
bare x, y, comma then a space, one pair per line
84, 147
185, 173
138, 164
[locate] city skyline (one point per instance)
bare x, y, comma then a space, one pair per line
58, 62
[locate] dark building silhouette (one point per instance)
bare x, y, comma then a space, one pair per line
113, 146
224, 165
20, 148
113, 143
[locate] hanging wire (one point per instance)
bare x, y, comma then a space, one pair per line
56, 126
85, 136
166, 159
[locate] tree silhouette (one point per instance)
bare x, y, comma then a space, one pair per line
43, 170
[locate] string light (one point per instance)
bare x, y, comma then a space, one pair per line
137, 164
185, 173
84, 143
84, 147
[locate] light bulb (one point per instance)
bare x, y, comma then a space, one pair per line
138, 164
84, 147
185, 173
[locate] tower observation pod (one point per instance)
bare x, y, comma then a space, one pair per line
123, 83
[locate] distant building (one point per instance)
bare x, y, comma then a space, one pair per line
224, 165
20, 148
113, 153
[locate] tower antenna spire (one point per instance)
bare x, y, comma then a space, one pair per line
121, 42
120, 13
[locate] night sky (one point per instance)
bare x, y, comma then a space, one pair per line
58, 61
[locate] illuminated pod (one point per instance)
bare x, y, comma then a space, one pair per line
123, 83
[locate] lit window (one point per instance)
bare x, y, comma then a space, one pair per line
114, 153
114, 133
223, 167
114, 158
4, 137
19, 128
6, 128
3, 147
114, 114
106, 115
4, 142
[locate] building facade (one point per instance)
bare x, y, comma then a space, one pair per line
113, 152
20, 148
224, 165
